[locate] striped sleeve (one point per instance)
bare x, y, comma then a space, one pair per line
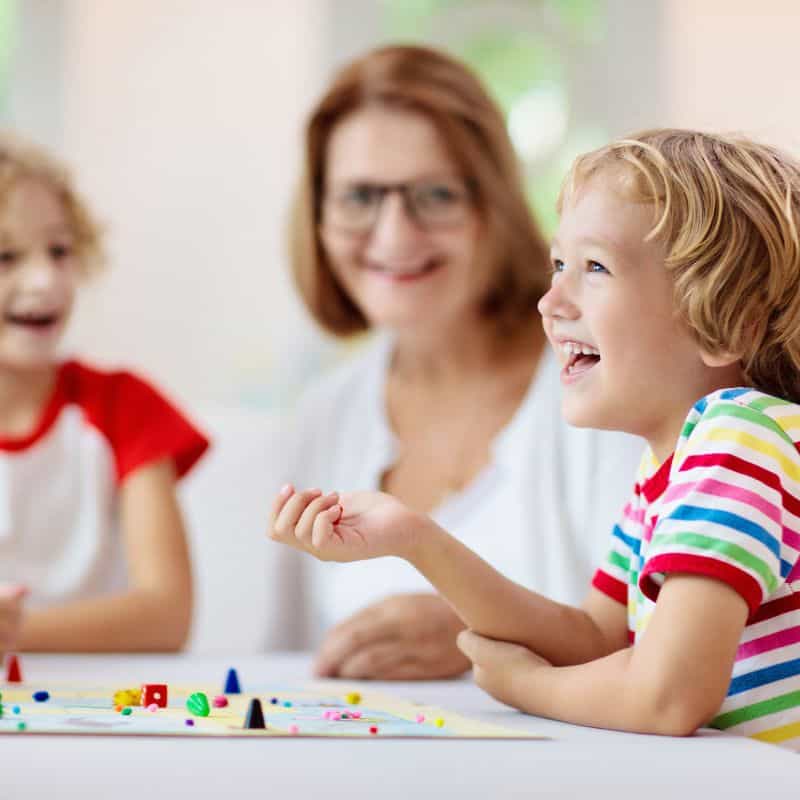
613, 575
722, 515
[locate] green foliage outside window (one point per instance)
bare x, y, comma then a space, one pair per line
523, 50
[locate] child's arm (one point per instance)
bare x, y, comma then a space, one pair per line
11, 613
155, 612
672, 682
368, 525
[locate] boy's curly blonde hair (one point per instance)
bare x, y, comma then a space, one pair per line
20, 160
728, 216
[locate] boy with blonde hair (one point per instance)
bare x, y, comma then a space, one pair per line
675, 306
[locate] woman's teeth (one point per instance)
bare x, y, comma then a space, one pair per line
578, 348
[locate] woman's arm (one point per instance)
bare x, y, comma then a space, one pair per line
155, 612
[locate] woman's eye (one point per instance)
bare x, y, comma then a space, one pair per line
8, 257
359, 196
558, 265
597, 267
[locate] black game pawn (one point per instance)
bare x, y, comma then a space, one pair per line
255, 716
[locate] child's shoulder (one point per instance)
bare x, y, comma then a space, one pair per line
754, 427
86, 382
747, 406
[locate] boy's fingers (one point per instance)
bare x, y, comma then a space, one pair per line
471, 644
322, 529
280, 500
304, 528
291, 512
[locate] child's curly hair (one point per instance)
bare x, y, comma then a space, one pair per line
728, 216
20, 160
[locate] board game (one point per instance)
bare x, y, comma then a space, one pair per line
304, 710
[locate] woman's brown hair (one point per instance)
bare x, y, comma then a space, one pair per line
473, 131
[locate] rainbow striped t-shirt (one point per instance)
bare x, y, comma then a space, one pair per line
726, 504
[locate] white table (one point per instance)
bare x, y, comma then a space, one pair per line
575, 762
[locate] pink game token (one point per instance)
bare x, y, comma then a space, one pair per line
220, 701
420, 718
293, 729
355, 714
152, 707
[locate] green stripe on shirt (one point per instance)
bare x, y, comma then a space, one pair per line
772, 706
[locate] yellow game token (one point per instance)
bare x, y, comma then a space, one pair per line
353, 698
128, 697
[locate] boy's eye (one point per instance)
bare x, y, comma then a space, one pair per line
558, 265
597, 267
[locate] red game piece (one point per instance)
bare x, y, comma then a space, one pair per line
154, 693
13, 674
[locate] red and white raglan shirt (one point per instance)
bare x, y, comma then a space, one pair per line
726, 505
59, 486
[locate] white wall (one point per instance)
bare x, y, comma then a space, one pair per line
733, 66
181, 120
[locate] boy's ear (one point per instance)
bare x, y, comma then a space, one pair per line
719, 360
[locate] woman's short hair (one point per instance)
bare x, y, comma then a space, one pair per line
473, 131
728, 215
21, 160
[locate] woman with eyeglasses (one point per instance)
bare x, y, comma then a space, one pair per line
411, 224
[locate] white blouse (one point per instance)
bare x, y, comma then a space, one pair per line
541, 512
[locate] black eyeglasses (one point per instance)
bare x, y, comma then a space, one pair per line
431, 203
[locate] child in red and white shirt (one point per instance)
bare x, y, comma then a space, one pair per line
93, 552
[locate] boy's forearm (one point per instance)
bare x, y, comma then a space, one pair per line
495, 606
606, 693
136, 621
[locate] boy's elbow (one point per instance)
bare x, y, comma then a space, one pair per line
679, 711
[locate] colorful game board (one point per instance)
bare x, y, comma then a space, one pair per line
303, 710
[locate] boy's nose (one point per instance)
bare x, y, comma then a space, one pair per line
558, 302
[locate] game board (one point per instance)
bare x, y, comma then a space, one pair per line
298, 711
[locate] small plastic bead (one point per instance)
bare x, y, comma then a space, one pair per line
293, 730
287, 704
439, 722
41, 697
189, 722
153, 707
420, 718
127, 711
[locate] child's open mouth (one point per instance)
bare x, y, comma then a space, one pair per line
581, 358
33, 320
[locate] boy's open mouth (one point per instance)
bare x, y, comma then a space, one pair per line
581, 357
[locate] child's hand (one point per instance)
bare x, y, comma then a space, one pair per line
497, 666
352, 527
11, 599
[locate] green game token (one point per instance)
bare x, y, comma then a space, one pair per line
21, 726
127, 711
198, 704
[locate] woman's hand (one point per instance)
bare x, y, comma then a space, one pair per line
350, 527
11, 613
502, 669
403, 637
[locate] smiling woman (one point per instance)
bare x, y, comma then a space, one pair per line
411, 223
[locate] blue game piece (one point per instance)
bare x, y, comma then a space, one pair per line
15, 709
274, 701
232, 683
41, 697
287, 704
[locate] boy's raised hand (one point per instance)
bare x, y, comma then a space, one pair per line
350, 527
11, 608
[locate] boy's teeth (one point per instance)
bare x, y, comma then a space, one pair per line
578, 348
